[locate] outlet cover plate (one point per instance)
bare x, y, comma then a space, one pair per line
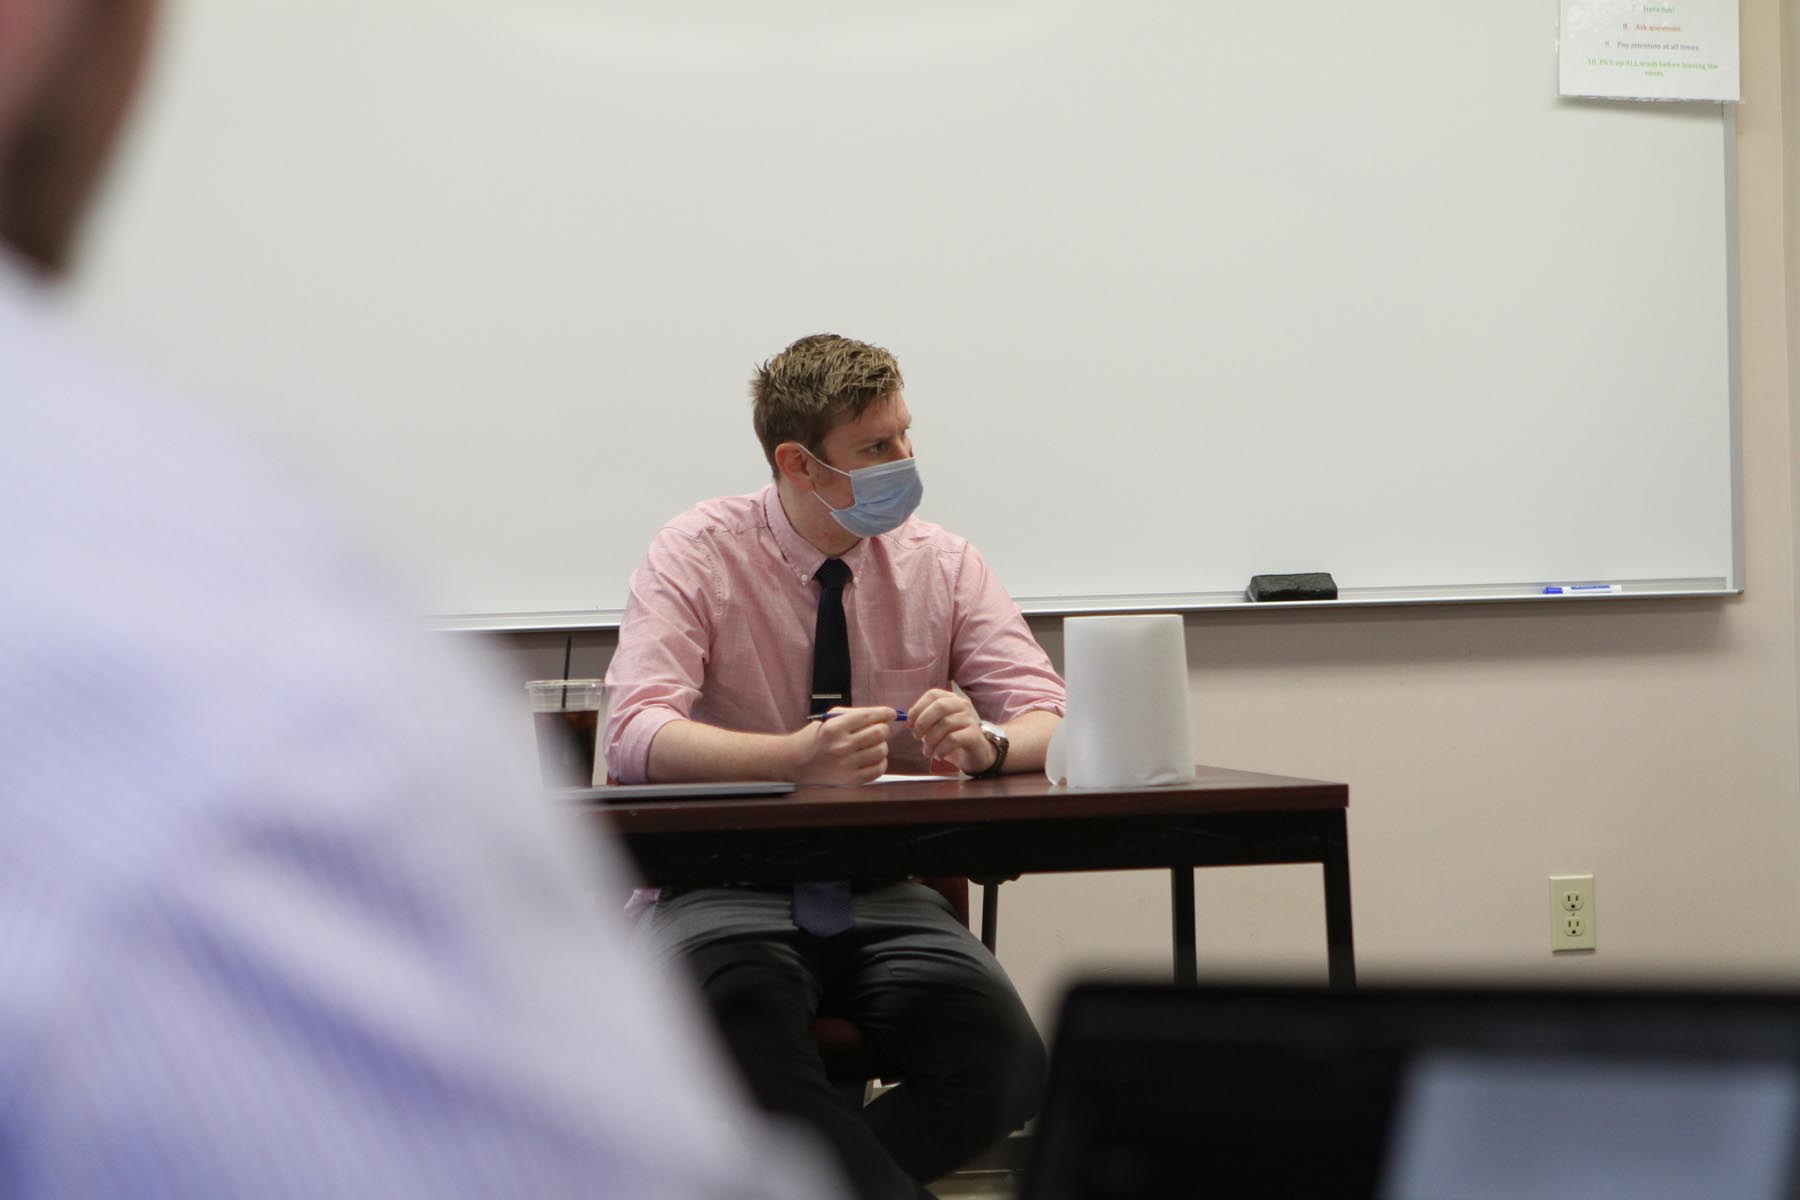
1571, 913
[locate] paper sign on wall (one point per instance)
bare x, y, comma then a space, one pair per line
1650, 49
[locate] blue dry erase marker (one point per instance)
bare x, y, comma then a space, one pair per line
1583, 589
899, 716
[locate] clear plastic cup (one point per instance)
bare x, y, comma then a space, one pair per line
568, 715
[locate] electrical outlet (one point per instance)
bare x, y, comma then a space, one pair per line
1571, 912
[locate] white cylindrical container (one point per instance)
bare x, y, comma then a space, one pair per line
1128, 703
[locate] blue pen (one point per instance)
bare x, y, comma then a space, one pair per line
1584, 589
899, 716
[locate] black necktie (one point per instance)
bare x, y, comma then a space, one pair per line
831, 640
823, 909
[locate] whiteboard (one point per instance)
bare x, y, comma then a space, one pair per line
1184, 291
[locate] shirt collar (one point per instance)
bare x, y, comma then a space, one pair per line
796, 551
19, 284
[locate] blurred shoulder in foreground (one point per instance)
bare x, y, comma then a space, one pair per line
281, 911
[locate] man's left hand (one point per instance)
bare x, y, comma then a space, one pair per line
947, 727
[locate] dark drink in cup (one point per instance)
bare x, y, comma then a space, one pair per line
567, 714
565, 742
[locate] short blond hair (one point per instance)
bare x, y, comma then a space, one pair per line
815, 385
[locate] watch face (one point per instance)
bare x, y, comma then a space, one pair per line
997, 738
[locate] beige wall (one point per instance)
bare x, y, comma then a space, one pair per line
1652, 743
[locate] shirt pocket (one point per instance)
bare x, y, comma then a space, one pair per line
899, 689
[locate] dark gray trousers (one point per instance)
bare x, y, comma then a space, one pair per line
923, 990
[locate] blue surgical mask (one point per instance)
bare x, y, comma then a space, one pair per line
883, 496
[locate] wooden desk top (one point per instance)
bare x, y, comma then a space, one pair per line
1009, 798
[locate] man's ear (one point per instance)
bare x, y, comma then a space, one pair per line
58, 133
790, 464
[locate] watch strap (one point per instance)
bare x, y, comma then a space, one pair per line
1001, 743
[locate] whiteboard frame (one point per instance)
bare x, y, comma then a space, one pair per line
607, 620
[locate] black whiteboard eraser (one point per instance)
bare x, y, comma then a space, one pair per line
1317, 585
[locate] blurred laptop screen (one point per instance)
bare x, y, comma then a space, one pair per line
1408, 1094
1480, 1127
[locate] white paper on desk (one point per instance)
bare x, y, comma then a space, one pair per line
913, 778
1128, 704
1649, 49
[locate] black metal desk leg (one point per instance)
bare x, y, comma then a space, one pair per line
990, 916
1181, 900
1340, 947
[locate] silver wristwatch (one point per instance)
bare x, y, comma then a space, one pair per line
996, 737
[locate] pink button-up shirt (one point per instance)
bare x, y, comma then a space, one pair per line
719, 628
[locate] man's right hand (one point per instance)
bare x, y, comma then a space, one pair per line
848, 747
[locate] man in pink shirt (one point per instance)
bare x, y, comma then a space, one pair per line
750, 616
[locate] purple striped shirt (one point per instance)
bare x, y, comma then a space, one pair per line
282, 913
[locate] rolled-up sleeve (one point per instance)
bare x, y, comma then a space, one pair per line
993, 656
660, 664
